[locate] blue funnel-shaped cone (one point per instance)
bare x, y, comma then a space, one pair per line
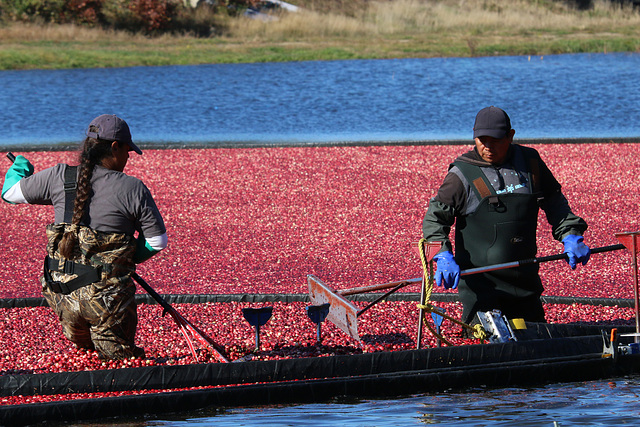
257, 316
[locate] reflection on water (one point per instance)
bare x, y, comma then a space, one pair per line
558, 96
606, 402
597, 402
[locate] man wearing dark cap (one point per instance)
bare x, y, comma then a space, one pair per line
492, 194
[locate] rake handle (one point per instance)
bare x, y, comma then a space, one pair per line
593, 251
184, 325
156, 296
512, 264
380, 287
535, 260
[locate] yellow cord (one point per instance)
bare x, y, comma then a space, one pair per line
427, 268
479, 332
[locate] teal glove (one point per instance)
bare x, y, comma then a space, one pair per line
576, 250
21, 168
143, 250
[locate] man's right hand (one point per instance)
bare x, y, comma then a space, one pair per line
448, 271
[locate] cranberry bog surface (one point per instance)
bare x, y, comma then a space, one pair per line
247, 225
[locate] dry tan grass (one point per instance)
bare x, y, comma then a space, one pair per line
420, 16
379, 18
524, 15
26, 32
20, 32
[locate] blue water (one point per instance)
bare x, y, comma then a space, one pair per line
594, 403
559, 96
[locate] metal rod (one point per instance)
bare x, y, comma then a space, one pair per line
534, 260
257, 337
380, 298
151, 292
477, 270
634, 255
423, 292
183, 324
363, 289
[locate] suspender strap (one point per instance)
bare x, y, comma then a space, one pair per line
86, 275
481, 188
480, 184
70, 187
534, 168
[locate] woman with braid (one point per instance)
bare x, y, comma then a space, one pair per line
92, 246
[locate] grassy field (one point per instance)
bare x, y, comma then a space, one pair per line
330, 30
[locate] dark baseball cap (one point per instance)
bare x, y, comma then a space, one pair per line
491, 121
110, 127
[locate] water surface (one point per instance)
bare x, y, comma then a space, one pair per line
559, 96
590, 403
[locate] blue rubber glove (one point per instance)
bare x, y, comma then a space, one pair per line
20, 168
577, 251
448, 271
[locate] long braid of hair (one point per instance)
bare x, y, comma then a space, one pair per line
92, 154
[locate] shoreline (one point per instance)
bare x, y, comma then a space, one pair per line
370, 30
290, 144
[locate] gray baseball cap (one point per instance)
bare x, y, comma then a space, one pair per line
111, 128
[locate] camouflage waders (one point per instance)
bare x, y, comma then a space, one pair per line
101, 315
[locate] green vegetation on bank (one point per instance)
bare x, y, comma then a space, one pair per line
329, 30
